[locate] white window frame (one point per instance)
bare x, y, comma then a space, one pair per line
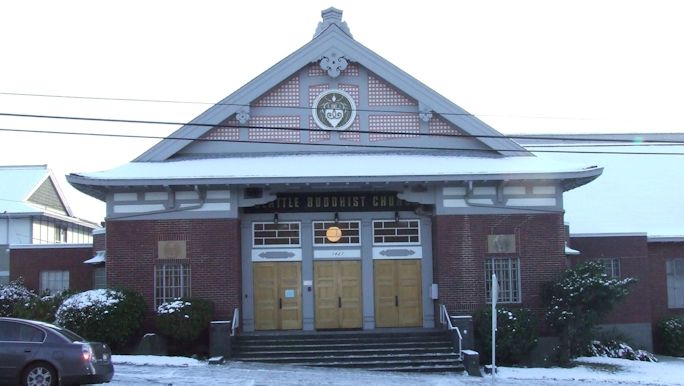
254, 245
417, 220
54, 281
611, 266
675, 282
509, 291
165, 288
313, 233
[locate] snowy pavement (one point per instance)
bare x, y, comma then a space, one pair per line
150, 370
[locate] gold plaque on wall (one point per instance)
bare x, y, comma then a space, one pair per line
501, 244
172, 249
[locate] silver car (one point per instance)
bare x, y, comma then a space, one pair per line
37, 353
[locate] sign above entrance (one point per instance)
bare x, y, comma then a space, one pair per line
334, 110
334, 202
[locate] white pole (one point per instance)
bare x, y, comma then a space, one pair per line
495, 297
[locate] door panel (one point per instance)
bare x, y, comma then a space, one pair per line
398, 293
277, 296
337, 292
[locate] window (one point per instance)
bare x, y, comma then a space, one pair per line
507, 275
350, 232
100, 278
611, 266
396, 232
675, 283
172, 281
275, 234
54, 281
18, 332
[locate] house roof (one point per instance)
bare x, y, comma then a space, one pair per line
19, 183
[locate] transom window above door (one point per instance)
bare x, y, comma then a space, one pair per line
396, 232
272, 234
337, 233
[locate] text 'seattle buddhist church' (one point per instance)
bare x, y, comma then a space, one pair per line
335, 191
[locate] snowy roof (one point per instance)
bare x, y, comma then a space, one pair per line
100, 257
17, 183
332, 168
636, 192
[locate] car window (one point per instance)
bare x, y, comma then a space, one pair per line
70, 335
30, 334
19, 332
9, 331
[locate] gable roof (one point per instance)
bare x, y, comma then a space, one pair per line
332, 39
30, 189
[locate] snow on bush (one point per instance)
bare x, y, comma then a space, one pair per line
671, 336
184, 320
105, 315
516, 336
12, 295
621, 350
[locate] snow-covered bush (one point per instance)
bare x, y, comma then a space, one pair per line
516, 336
184, 320
12, 295
578, 302
621, 350
104, 315
671, 336
41, 307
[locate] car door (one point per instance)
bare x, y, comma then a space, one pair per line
19, 343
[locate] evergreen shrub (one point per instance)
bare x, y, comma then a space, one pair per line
517, 334
671, 336
184, 320
13, 295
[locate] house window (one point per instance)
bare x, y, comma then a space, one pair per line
100, 278
396, 232
611, 267
675, 283
507, 275
172, 281
54, 281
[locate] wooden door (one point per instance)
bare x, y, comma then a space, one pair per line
398, 289
337, 293
277, 296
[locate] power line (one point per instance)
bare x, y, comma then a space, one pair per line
393, 147
220, 125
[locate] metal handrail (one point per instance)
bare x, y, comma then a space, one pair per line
445, 319
235, 323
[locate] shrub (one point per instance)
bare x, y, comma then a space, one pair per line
516, 336
184, 320
41, 307
671, 336
104, 315
12, 295
618, 349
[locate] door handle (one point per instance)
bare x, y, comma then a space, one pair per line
396, 301
27, 350
339, 302
280, 303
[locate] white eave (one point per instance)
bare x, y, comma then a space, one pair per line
99, 258
571, 252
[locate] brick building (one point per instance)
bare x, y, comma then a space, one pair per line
335, 191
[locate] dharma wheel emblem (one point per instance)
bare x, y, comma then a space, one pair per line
334, 110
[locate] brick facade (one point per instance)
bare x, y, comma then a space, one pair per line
213, 254
27, 263
658, 253
460, 252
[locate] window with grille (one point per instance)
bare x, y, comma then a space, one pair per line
396, 232
269, 234
100, 278
611, 266
54, 281
350, 232
172, 281
507, 272
675, 283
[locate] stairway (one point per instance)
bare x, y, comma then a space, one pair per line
416, 350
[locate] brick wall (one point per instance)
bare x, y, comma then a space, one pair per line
213, 253
460, 251
99, 242
29, 262
634, 260
658, 254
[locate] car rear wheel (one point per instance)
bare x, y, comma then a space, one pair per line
39, 374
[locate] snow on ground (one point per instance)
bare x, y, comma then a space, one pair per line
152, 370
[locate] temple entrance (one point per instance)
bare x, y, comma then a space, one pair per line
397, 285
277, 296
337, 294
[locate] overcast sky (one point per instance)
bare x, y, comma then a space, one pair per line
521, 66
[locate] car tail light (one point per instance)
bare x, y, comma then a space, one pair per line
87, 353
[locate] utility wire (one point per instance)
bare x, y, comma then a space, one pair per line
107, 135
220, 125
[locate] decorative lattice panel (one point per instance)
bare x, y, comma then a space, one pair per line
352, 90
315, 90
384, 127
437, 125
274, 129
316, 70
224, 133
317, 136
382, 94
286, 94
351, 134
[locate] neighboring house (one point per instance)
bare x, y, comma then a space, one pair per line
36, 220
335, 191
631, 220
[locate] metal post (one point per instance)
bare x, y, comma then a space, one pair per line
495, 297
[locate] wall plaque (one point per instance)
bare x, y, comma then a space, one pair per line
172, 249
501, 243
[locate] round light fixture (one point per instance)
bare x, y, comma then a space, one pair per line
333, 234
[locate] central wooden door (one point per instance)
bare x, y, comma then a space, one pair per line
397, 287
277, 296
337, 293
